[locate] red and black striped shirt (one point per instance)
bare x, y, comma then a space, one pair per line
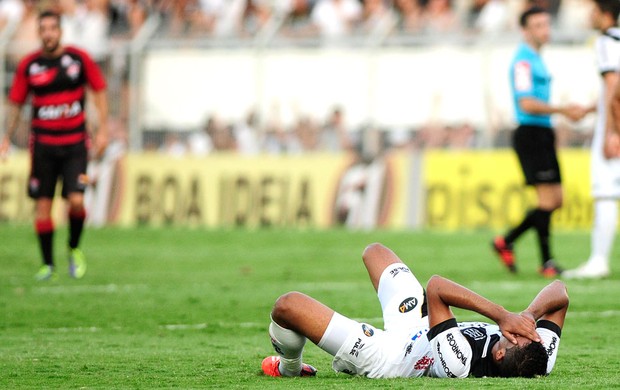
58, 93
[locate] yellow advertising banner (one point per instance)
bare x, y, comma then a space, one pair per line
15, 206
471, 190
485, 189
317, 190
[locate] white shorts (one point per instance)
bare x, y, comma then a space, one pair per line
401, 348
605, 177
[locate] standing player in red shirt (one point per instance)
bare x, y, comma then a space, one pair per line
56, 77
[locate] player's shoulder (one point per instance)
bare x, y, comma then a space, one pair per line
29, 58
76, 51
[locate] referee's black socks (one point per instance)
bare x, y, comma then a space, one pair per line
540, 220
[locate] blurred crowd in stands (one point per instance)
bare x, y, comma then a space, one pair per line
102, 26
328, 18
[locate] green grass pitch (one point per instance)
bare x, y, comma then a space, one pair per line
182, 308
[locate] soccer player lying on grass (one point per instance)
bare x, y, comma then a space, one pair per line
421, 335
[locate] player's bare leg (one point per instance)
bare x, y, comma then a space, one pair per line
295, 317
376, 259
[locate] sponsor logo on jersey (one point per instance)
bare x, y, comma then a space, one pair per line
423, 363
368, 330
419, 334
408, 304
474, 333
59, 111
552, 346
357, 347
66, 60
444, 365
455, 348
398, 270
73, 70
41, 75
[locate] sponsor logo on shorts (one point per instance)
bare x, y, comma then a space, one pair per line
357, 347
408, 304
408, 349
455, 348
423, 363
33, 185
368, 330
398, 270
552, 346
444, 365
474, 333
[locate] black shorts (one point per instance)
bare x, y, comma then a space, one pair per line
535, 147
49, 163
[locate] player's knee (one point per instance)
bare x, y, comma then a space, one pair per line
286, 304
371, 251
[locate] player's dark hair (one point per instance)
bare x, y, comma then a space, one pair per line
49, 14
524, 362
535, 10
611, 7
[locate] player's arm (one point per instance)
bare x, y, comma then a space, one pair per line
550, 304
12, 123
100, 101
535, 106
442, 293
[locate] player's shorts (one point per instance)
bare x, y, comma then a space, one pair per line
605, 176
49, 163
400, 349
535, 147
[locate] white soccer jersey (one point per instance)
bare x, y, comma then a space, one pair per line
465, 349
605, 173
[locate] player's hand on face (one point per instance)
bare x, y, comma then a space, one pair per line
518, 324
611, 147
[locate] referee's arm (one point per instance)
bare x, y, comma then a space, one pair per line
534, 106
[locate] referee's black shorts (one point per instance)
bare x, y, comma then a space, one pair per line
535, 147
50, 163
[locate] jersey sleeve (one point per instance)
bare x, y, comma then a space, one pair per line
20, 88
522, 79
607, 54
452, 353
550, 334
94, 76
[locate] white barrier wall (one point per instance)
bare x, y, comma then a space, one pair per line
392, 87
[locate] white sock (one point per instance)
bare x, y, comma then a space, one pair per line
289, 345
603, 231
